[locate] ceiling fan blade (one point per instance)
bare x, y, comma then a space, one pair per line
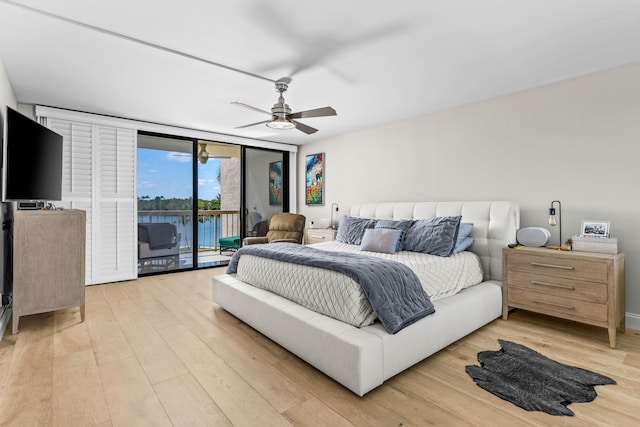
252, 124
318, 112
304, 128
250, 107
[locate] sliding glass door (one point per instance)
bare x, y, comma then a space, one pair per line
219, 202
265, 186
165, 203
236, 189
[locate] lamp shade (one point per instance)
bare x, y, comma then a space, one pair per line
281, 124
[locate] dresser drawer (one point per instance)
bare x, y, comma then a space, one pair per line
559, 286
593, 271
558, 306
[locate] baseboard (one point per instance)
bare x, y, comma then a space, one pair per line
632, 321
5, 316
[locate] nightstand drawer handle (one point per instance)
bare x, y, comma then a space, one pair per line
563, 267
553, 285
568, 307
317, 236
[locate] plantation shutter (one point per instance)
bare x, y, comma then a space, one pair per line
77, 176
99, 177
117, 247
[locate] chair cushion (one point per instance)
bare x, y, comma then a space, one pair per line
286, 226
159, 235
229, 241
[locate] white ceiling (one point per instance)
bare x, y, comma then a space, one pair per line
374, 61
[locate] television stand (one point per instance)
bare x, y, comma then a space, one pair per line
48, 261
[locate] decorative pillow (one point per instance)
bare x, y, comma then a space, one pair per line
463, 242
351, 229
383, 240
463, 245
435, 236
401, 225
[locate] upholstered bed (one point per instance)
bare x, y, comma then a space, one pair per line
363, 358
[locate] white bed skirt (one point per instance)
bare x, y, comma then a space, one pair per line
358, 358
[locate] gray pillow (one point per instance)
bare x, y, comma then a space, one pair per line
383, 240
401, 225
435, 236
463, 242
351, 229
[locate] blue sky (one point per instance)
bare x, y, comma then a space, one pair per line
168, 174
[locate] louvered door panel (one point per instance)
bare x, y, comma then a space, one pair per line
117, 162
116, 249
77, 176
77, 158
116, 258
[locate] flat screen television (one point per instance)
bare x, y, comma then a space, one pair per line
31, 161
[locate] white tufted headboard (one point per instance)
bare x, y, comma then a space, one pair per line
494, 224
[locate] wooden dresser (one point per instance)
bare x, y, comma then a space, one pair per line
580, 286
48, 262
318, 235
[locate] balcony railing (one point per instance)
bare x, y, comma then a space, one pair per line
212, 224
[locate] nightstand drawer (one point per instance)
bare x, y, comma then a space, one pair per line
561, 307
559, 286
560, 267
319, 235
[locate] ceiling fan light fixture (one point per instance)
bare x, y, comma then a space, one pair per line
281, 124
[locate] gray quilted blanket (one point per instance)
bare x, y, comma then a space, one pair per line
394, 291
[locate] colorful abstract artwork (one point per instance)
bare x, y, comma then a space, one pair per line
314, 176
275, 184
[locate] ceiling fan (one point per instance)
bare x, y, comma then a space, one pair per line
281, 115
203, 154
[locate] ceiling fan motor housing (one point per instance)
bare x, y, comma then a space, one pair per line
280, 109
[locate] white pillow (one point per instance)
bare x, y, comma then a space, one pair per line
383, 240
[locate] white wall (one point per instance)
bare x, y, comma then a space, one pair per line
577, 141
6, 92
7, 97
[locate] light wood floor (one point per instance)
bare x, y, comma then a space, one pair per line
157, 351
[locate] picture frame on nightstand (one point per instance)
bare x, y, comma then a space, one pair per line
592, 228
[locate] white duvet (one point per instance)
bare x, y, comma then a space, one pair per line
336, 295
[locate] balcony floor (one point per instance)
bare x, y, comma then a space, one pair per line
184, 261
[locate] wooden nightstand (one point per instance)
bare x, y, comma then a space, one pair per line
580, 286
318, 235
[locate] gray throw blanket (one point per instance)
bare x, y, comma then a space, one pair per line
394, 291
